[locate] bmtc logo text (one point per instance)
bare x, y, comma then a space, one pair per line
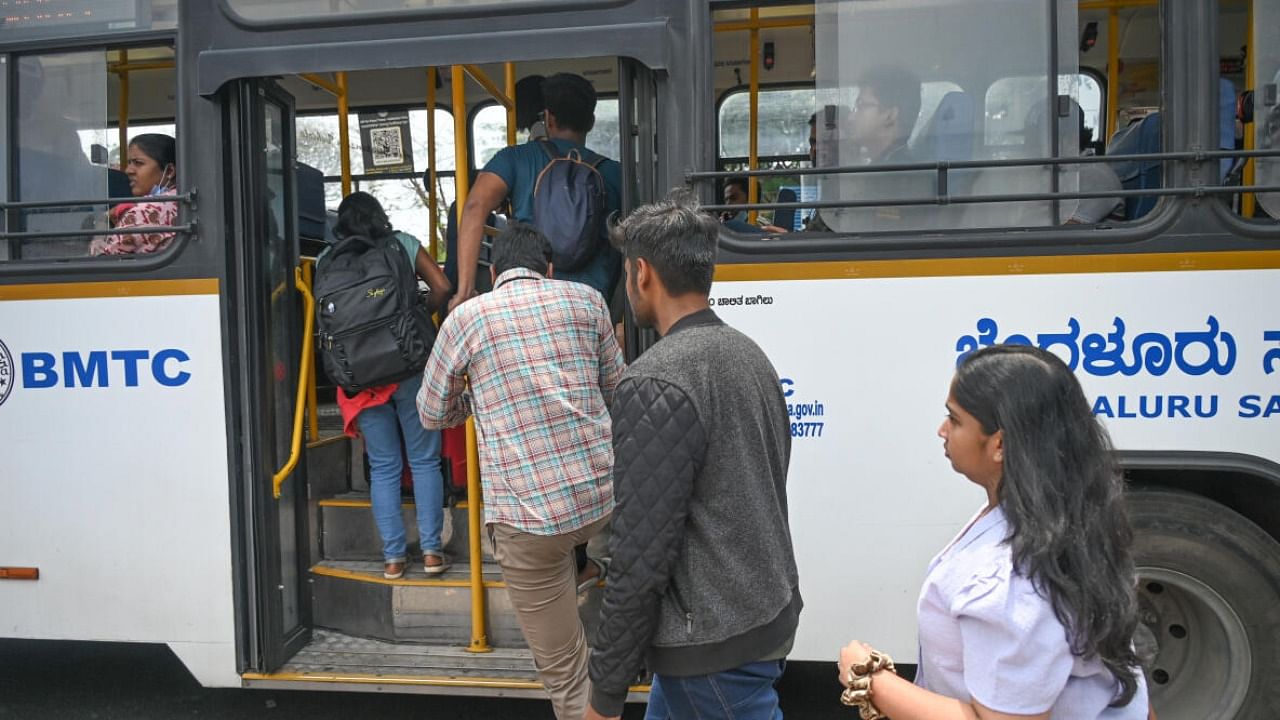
104, 368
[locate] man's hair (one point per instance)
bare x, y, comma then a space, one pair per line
899, 88
739, 180
676, 238
572, 99
521, 245
529, 101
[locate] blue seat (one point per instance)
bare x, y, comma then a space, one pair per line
949, 133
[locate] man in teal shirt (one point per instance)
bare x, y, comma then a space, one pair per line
570, 102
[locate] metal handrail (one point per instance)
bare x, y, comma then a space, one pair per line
304, 372
71, 204
479, 640
138, 230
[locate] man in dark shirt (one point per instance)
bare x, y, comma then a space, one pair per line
703, 588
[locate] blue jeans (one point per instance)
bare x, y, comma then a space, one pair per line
743, 693
383, 427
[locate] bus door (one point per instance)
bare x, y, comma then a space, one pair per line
260, 182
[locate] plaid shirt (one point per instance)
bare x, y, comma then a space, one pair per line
543, 363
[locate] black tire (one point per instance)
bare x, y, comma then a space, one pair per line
1209, 591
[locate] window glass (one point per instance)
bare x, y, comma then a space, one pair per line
28, 20
782, 122
1266, 105
318, 142
61, 103
489, 131
909, 83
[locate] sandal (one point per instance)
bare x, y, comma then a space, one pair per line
393, 569
593, 574
444, 564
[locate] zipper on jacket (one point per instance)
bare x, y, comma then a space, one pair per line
688, 616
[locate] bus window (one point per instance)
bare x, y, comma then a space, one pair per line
782, 122
276, 10
65, 124
402, 194
489, 131
1266, 105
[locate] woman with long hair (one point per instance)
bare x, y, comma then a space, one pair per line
387, 416
152, 172
1030, 612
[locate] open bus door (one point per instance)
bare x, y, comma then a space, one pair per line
260, 181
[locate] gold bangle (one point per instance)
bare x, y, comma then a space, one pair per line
857, 692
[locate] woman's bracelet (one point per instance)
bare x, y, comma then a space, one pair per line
857, 692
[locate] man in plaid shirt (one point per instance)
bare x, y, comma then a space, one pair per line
542, 361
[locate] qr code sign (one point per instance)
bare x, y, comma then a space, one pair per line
387, 146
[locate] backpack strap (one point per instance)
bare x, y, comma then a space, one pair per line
553, 153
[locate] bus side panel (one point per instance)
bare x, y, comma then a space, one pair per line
115, 471
866, 366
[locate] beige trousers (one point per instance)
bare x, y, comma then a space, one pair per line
542, 583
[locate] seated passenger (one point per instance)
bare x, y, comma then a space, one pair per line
151, 172
736, 193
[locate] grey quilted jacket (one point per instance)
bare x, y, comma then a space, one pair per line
703, 577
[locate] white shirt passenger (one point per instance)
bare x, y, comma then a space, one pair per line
987, 635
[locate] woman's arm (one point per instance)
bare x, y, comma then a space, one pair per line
435, 279
901, 700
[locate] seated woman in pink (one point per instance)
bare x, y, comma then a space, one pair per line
151, 173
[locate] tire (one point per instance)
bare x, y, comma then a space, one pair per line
1209, 595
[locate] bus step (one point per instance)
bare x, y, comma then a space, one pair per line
349, 533
354, 598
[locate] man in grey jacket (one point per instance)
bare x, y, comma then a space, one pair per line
703, 588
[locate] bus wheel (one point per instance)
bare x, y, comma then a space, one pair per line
1209, 598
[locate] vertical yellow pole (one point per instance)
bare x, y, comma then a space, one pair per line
1113, 72
753, 187
434, 244
462, 179
123, 119
313, 408
479, 640
1248, 200
344, 138
511, 95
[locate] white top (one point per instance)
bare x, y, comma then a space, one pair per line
987, 635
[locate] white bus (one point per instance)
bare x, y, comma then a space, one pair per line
154, 406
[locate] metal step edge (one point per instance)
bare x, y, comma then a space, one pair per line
361, 500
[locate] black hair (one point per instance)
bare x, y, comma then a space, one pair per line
899, 88
813, 120
361, 214
739, 180
1062, 496
529, 101
158, 147
676, 238
521, 245
572, 99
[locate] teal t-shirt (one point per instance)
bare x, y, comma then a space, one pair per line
519, 166
407, 241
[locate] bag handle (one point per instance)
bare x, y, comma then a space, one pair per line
351, 244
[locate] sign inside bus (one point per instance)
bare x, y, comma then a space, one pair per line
1192, 353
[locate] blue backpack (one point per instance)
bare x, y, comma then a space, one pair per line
569, 207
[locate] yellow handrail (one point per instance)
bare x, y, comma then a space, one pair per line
344, 135
483, 80
304, 371
479, 641
313, 406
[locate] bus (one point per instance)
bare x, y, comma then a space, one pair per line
1097, 177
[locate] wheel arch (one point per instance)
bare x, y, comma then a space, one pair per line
1247, 484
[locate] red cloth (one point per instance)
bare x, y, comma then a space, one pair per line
351, 406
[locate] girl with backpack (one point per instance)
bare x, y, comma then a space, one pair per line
386, 415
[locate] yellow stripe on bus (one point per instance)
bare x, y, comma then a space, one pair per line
960, 267
114, 288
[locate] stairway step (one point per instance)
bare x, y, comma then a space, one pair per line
330, 651
348, 532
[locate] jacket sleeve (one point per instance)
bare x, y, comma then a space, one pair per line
659, 445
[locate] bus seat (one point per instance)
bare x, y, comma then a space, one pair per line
1226, 123
118, 184
949, 133
311, 215
1138, 138
785, 218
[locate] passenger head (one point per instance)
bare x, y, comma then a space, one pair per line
151, 163
361, 214
529, 102
1060, 493
886, 109
570, 102
521, 245
735, 191
670, 251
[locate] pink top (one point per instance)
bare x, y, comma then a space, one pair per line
140, 214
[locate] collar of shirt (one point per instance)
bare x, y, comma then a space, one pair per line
706, 316
517, 273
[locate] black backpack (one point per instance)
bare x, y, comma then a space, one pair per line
569, 207
373, 328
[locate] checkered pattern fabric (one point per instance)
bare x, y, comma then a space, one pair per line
543, 362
